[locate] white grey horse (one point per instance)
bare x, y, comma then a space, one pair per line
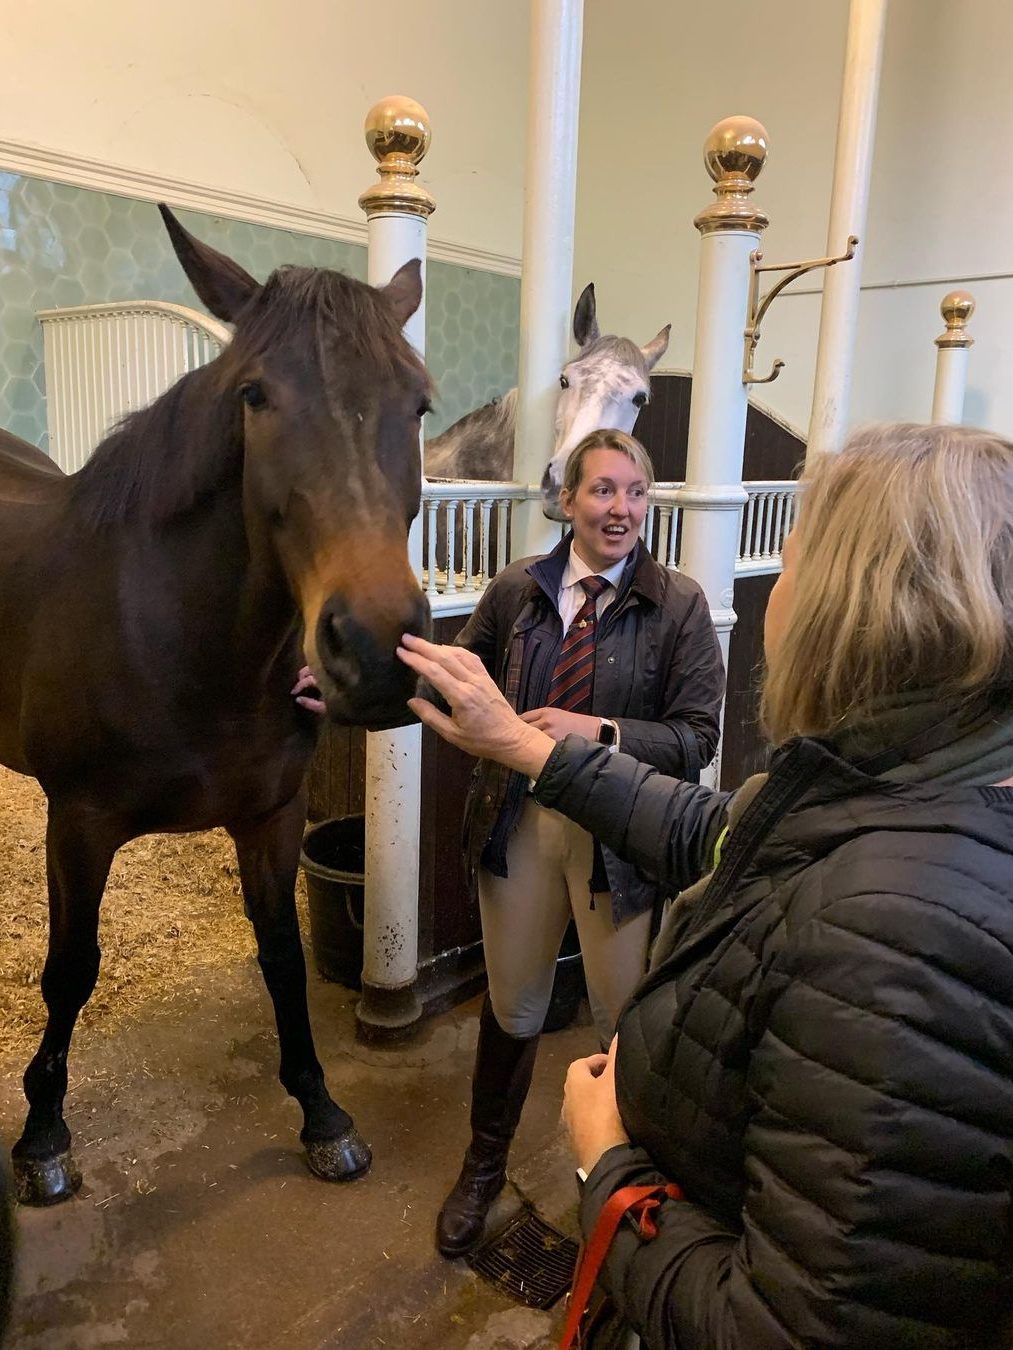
605, 385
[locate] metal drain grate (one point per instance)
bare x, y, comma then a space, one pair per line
530, 1260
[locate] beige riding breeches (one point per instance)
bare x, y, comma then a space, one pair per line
524, 917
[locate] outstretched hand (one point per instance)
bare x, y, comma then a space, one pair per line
481, 721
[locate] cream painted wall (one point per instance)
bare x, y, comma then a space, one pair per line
269, 99
940, 202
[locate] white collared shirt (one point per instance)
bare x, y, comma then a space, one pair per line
571, 595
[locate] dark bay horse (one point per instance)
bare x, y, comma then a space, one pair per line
155, 608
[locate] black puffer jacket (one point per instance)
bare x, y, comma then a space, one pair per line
824, 1063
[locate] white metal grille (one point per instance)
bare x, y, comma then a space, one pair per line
103, 361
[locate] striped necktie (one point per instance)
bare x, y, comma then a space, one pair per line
573, 676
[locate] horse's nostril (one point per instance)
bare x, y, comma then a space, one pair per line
331, 631
336, 638
547, 480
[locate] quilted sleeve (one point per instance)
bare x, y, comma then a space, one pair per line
667, 827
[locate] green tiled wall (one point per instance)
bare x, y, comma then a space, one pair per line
62, 245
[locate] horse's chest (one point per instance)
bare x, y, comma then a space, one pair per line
236, 775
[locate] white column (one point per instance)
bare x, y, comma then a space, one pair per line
713, 497
550, 198
856, 130
397, 209
951, 358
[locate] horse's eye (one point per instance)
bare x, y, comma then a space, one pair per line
424, 407
564, 383
252, 394
639, 400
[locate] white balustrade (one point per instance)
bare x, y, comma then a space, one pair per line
463, 552
766, 522
467, 524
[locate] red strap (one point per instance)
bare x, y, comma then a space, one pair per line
640, 1201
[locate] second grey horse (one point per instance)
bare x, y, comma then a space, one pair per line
604, 385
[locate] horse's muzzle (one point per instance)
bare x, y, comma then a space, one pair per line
551, 506
365, 684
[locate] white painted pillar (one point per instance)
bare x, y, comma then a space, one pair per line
951, 358
550, 200
397, 209
713, 497
856, 131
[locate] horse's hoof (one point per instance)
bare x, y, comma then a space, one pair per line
46, 1181
341, 1159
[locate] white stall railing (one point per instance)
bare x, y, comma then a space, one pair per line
467, 532
767, 518
466, 538
662, 529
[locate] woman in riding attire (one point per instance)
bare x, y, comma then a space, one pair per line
598, 639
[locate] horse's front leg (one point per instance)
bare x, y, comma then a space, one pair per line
79, 849
268, 853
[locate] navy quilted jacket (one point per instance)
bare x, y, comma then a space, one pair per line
824, 1063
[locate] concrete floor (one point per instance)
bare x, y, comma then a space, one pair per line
199, 1227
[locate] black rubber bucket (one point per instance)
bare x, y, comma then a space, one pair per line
333, 858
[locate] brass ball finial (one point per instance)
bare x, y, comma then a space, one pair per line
397, 133
736, 147
734, 152
398, 126
956, 307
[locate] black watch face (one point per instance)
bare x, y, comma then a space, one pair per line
607, 734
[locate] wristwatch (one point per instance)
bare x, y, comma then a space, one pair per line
608, 734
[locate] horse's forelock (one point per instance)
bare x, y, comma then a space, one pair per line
609, 349
330, 310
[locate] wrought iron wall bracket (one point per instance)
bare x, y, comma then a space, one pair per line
758, 308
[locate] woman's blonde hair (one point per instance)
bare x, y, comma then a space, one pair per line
904, 577
605, 440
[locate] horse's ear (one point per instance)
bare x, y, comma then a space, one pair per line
585, 318
221, 283
657, 347
404, 290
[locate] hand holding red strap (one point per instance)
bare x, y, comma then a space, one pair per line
639, 1201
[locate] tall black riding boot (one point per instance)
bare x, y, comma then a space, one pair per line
503, 1068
